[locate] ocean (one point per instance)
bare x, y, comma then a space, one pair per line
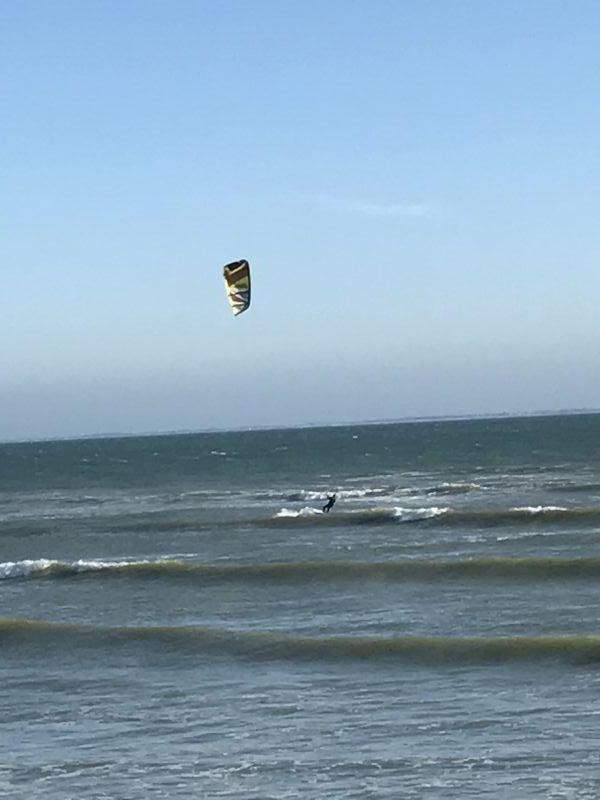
179, 619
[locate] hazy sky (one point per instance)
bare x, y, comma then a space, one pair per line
415, 184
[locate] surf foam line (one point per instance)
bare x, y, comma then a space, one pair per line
427, 516
491, 568
320, 496
432, 516
523, 515
173, 641
45, 567
368, 516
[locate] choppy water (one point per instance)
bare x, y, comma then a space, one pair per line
178, 618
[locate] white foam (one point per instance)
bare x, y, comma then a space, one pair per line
305, 494
413, 514
342, 494
371, 492
21, 569
538, 509
92, 566
27, 567
459, 486
307, 511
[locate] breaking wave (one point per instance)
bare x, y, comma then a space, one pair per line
429, 516
443, 515
364, 516
452, 488
307, 511
496, 568
44, 567
311, 495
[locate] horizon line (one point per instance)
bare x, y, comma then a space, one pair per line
300, 426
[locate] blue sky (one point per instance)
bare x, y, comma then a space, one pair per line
415, 184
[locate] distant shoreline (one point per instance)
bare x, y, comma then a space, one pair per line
310, 425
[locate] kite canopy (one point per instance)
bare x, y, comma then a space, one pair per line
237, 285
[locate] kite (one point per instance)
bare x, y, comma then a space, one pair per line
237, 285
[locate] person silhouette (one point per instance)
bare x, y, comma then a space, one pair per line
329, 504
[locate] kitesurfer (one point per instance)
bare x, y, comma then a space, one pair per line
329, 504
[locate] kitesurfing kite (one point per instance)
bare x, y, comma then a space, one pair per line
237, 285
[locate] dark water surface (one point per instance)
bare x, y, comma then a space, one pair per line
178, 619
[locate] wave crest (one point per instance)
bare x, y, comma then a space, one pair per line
432, 650
486, 568
307, 511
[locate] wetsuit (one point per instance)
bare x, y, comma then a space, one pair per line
329, 505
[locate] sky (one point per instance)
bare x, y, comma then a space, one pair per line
415, 183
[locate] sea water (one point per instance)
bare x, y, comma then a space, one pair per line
179, 619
